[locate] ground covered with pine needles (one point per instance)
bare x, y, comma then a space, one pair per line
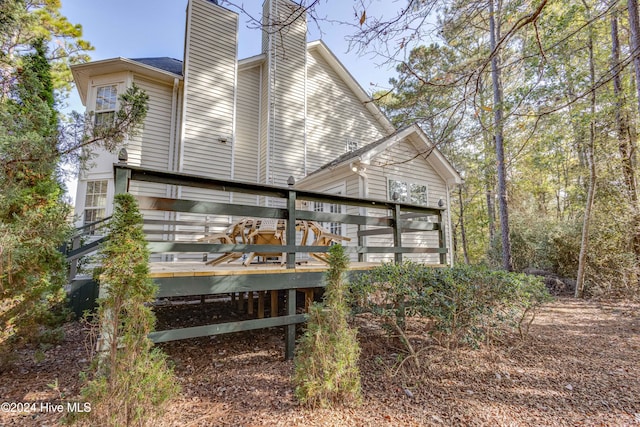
580, 365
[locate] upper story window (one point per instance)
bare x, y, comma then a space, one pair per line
106, 100
408, 192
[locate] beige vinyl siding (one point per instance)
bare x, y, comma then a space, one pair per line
210, 80
150, 148
287, 59
247, 141
264, 127
334, 115
392, 164
350, 181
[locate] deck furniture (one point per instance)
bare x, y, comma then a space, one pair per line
266, 232
323, 237
230, 236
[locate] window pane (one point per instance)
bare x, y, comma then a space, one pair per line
400, 189
105, 119
93, 215
419, 194
106, 98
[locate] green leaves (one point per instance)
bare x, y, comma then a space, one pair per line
133, 380
327, 356
464, 303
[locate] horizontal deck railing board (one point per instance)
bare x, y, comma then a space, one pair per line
225, 328
185, 223
208, 208
85, 250
414, 227
192, 247
182, 286
174, 178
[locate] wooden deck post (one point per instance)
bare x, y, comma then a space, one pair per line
442, 242
261, 304
397, 232
360, 243
240, 301
290, 333
274, 303
291, 228
250, 302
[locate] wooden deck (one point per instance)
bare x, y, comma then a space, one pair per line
183, 237
187, 269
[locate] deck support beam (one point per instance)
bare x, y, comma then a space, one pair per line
290, 330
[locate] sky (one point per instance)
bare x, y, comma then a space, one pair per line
155, 28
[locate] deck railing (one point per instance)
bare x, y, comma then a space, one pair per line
390, 218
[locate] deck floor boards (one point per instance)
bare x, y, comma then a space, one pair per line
194, 269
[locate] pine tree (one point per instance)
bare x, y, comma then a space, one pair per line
132, 380
32, 211
327, 357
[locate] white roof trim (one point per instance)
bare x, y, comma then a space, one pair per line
83, 72
436, 159
252, 61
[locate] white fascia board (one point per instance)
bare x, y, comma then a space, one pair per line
351, 82
420, 142
83, 72
252, 61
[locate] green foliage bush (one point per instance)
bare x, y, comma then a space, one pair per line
465, 304
326, 359
32, 209
553, 245
131, 380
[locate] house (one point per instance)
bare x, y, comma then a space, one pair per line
292, 111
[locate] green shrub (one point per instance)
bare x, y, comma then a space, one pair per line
326, 360
464, 303
131, 381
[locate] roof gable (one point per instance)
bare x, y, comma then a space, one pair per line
419, 140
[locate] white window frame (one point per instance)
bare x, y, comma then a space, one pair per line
333, 227
414, 195
105, 114
95, 201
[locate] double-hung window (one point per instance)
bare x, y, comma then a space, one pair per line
95, 202
106, 100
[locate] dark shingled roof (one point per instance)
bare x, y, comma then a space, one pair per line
164, 63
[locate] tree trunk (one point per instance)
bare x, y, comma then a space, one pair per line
463, 234
498, 133
591, 186
489, 177
634, 27
626, 137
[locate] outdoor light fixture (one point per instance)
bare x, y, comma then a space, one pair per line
395, 196
123, 156
291, 181
441, 203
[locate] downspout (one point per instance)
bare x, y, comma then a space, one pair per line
173, 153
235, 114
172, 190
364, 193
304, 137
260, 139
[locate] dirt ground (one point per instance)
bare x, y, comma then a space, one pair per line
580, 366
